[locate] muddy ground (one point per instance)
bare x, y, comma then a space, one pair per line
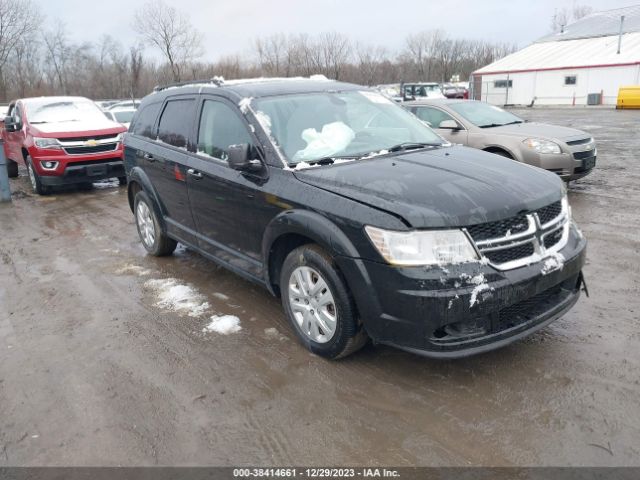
94, 371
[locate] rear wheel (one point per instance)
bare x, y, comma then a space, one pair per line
34, 178
12, 168
318, 305
154, 240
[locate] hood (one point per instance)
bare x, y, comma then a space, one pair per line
77, 129
445, 187
539, 130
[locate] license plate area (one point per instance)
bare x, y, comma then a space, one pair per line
95, 170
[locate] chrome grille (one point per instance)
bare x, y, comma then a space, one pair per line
536, 235
88, 145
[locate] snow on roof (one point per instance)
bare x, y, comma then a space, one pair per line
599, 24
579, 53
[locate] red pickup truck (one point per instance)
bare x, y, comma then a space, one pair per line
62, 140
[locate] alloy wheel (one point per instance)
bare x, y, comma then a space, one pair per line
146, 226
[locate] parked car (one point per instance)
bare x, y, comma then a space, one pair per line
105, 104
121, 115
414, 91
124, 104
62, 140
358, 216
567, 152
455, 91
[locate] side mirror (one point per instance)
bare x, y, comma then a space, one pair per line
240, 158
449, 125
9, 126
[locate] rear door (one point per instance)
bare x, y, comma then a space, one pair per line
226, 202
165, 159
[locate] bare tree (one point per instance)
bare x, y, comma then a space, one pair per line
579, 11
18, 20
370, 60
171, 32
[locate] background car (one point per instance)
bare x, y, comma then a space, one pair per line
122, 115
124, 104
414, 91
568, 152
62, 140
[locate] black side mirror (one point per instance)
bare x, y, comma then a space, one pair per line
9, 126
240, 158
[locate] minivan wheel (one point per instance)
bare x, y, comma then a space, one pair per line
318, 304
34, 178
12, 168
154, 240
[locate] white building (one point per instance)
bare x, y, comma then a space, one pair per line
595, 55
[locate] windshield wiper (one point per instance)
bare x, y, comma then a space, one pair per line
512, 123
38, 121
412, 146
491, 125
326, 160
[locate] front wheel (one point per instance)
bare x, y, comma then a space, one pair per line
318, 305
154, 240
34, 178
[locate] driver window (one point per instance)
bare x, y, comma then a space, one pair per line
433, 116
219, 128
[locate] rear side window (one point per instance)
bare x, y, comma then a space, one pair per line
219, 128
175, 122
146, 120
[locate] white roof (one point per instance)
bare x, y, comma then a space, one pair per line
599, 24
580, 53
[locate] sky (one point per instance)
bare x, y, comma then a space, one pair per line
230, 26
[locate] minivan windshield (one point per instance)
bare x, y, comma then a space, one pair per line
484, 115
63, 110
329, 125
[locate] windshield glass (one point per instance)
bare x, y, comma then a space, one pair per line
310, 127
124, 116
484, 115
48, 111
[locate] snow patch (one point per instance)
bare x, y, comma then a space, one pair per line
553, 263
265, 122
130, 269
223, 324
221, 296
177, 297
245, 104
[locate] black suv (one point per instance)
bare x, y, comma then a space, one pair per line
364, 221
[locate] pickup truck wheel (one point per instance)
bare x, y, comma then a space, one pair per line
122, 181
318, 305
12, 168
34, 178
154, 240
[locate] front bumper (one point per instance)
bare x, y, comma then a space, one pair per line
86, 172
463, 309
568, 166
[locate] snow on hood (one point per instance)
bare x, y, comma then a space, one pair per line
98, 125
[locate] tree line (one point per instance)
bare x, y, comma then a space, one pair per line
38, 58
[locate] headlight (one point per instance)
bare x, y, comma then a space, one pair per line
542, 146
46, 143
434, 247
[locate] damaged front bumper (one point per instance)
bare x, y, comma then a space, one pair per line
464, 309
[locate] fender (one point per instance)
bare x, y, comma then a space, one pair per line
309, 224
327, 234
139, 176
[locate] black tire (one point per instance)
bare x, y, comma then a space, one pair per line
85, 186
161, 245
34, 178
12, 168
349, 335
122, 181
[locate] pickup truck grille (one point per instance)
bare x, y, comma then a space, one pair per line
107, 147
89, 145
523, 239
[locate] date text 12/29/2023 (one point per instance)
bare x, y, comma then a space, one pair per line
315, 473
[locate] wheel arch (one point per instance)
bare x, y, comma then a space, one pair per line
294, 228
501, 149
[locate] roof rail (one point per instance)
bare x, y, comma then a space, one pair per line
217, 81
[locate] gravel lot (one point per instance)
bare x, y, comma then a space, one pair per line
95, 369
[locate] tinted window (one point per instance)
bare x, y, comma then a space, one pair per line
503, 83
219, 128
571, 80
432, 116
175, 122
146, 120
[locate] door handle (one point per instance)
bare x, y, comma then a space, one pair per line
194, 173
148, 156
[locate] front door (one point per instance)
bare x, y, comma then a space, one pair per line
13, 140
224, 201
435, 117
